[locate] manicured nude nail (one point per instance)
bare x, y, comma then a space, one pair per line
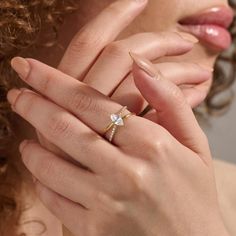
188, 37
144, 64
21, 66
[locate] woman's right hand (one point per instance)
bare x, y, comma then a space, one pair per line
93, 53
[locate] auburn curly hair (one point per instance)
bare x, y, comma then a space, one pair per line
22, 24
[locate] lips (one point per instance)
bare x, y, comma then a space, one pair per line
211, 26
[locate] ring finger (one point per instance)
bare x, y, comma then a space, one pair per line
61, 124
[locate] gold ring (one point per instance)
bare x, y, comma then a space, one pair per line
116, 121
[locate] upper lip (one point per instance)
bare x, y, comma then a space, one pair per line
219, 15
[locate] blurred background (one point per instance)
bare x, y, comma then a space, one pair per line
221, 132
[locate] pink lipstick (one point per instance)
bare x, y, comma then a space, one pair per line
211, 26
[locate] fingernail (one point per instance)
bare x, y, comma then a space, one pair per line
12, 95
144, 64
21, 66
188, 37
22, 145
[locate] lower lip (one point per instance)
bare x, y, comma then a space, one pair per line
217, 37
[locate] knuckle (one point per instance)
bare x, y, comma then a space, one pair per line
158, 147
109, 205
138, 177
135, 182
81, 102
102, 200
59, 126
116, 49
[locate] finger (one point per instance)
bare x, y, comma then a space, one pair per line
73, 108
173, 112
93, 37
184, 73
114, 63
128, 94
194, 80
195, 95
64, 130
71, 214
59, 175
58, 151
90, 41
180, 73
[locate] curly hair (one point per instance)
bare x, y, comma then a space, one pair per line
24, 24
28, 24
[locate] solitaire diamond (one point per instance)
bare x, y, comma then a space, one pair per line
117, 119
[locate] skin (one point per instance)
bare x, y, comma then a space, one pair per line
77, 67
178, 155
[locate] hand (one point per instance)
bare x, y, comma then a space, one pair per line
93, 51
104, 64
154, 180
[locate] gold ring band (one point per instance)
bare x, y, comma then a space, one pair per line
117, 120
112, 123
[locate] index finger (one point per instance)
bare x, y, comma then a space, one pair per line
95, 35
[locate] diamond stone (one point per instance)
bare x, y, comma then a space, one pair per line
117, 119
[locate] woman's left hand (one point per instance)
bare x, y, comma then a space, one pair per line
152, 180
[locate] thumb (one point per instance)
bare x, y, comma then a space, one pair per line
173, 110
